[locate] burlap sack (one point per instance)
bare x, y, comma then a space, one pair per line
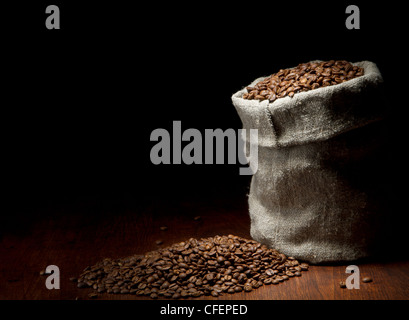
315, 195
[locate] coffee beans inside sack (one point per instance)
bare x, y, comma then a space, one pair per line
209, 266
317, 195
304, 77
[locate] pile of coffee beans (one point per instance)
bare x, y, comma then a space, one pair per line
208, 266
304, 77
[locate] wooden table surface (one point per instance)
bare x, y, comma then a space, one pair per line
75, 236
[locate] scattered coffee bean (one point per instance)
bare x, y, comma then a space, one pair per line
197, 218
193, 268
304, 266
304, 77
158, 242
92, 295
367, 279
342, 284
73, 279
163, 228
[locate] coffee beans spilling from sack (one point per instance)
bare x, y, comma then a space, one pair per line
304, 77
210, 266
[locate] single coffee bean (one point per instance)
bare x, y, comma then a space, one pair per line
342, 284
248, 287
176, 295
209, 276
304, 266
367, 279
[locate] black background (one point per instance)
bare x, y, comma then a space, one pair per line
79, 103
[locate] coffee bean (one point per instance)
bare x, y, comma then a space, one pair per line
367, 279
176, 295
163, 228
248, 287
158, 242
220, 259
238, 289
304, 266
342, 284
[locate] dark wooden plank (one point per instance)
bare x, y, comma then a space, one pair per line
74, 240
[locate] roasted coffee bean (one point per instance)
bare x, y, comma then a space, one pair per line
209, 266
238, 289
342, 284
304, 266
367, 279
176, 295
247, 287
304, 77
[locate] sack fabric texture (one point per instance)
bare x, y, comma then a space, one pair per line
316, 195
